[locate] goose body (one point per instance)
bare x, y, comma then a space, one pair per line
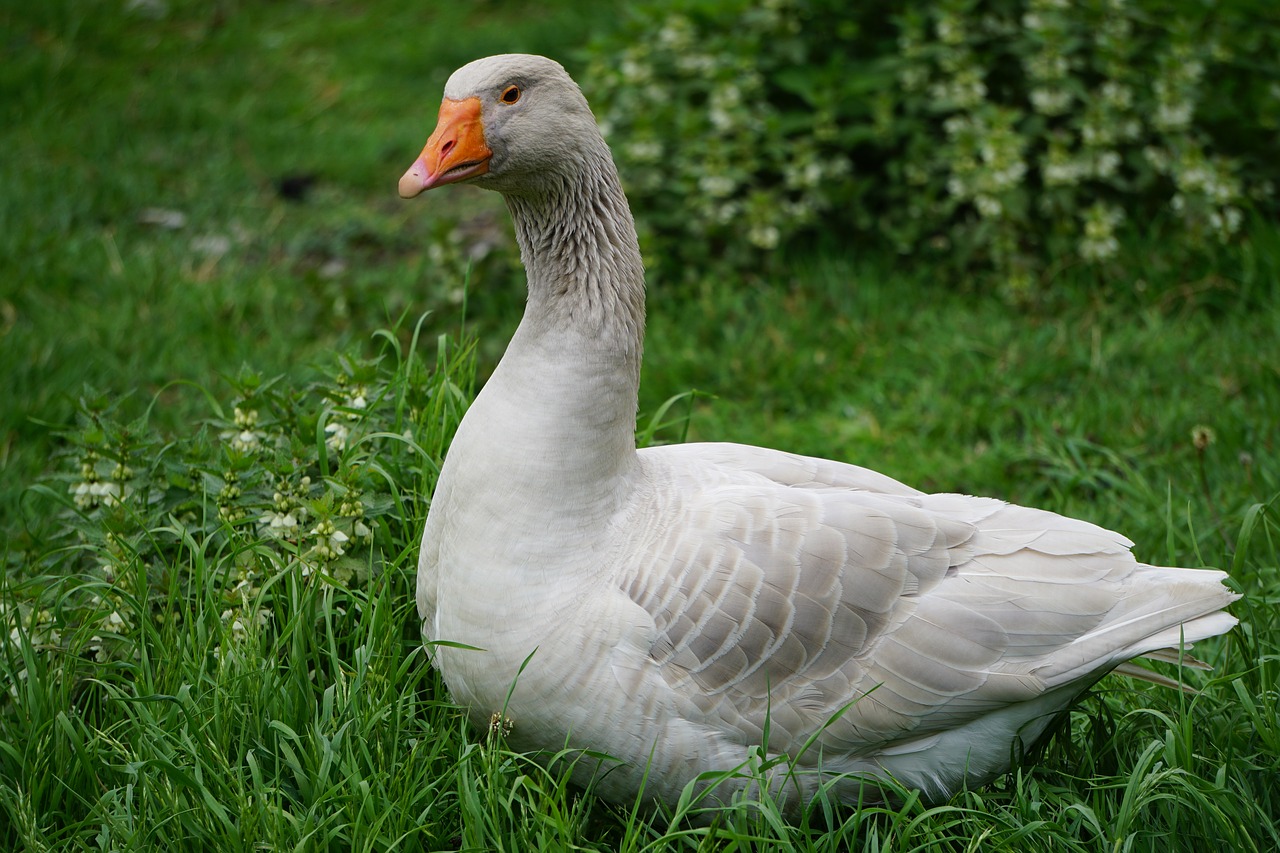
677, 608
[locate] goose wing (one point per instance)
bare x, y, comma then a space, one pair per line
781, 600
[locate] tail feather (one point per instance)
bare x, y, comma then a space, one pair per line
1209, 625
1168, 610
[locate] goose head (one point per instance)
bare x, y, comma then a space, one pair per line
514, 123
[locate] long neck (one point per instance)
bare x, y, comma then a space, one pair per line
565, 392
578, 243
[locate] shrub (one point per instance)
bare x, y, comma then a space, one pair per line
995, 134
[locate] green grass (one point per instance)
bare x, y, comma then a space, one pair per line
175, 676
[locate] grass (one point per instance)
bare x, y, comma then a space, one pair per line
180, 673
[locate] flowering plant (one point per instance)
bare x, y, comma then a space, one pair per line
995, 134
304, 485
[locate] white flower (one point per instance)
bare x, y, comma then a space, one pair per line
1190, 70
82, 495
913, 78
1118, 95
966, 90
96, 649
726, 97
244, 438
764, 236
332, 539
645, 150
279, 524
1106, 164
90, 493
241, 622
1048, 66
721, 119
1194, 178
988, 206
695, 63
727, 212
1173, 115
1226, 221
1060, 169
635, 72
677, 33
956, 124
338, 434
246, 441
949, 30
1051, 101
800, 210
1098, 250
803, 175
717, 186
1099, 241
1096, 134
1232, 219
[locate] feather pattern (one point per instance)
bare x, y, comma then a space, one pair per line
678, 607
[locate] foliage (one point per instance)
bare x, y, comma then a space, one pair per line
196, 658
185, 645
189, 187
209, 641
250, 574
984, 134
319, 484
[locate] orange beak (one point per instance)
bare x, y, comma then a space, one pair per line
455, 152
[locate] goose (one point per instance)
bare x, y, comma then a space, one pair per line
684, 610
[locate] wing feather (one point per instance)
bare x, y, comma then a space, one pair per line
785, 589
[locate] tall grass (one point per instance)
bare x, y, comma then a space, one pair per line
182, 677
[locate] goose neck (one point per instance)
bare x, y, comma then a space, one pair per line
578, 244
565, 392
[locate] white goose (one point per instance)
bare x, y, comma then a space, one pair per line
674, 604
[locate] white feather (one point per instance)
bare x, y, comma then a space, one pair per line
676, 604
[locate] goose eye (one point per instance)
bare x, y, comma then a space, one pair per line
511, 94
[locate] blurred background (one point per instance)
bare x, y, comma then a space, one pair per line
859, 223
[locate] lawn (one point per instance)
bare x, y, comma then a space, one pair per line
233, 361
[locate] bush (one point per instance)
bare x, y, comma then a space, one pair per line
995, 134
